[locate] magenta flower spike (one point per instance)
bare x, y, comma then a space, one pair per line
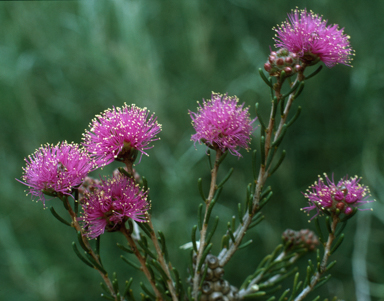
56, 169
119, 131
221, 123
111, 204
342, 197
308, 35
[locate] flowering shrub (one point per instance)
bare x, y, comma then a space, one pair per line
121, 203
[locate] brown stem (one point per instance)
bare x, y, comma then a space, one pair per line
291, 98
271, 124
141, 259
129, 164
226, 254
160, 255
323, 265
161, 260
75, 224
203, 232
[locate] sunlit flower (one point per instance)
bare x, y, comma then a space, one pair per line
111, 204
56, 169
342, 197
120, 131
308, 35
221, 123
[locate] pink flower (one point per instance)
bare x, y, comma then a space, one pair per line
308, 35
221, 123
338, 198
111, 204
118, 131
56, 169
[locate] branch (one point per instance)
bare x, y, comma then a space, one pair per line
203, 232
160, 259
75, 224
323, 266
226, 254
142, 261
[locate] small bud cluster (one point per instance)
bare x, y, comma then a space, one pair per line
282, 60
300, 239
214, 287
88, 186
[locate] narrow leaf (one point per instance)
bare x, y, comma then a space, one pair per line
81, 256
58, 217
264, 78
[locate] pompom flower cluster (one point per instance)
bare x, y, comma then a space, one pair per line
111, 204
308, 35
342, 197
56, 169
118, 131
221, 123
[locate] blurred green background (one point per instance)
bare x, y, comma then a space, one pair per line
62, 62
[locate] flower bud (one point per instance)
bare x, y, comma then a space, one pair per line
282, 60
267, 67
300, 239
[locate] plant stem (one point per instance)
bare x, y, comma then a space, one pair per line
226, 254
203, 232
76, 225
141, 259
327, 252
160, 255
161, 260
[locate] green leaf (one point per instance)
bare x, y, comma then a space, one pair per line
58, 217
254, 171
200, 186
246, 244
203, 256
294, 118
130, 262
193, 237
259, 118
338, 243
200, 216
314, 72
80, 256
299, 90
281, 136
209, 236
142, 285
318, 229
278, 163
226, 178
264, 78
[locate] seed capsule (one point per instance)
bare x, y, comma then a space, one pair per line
212, 261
